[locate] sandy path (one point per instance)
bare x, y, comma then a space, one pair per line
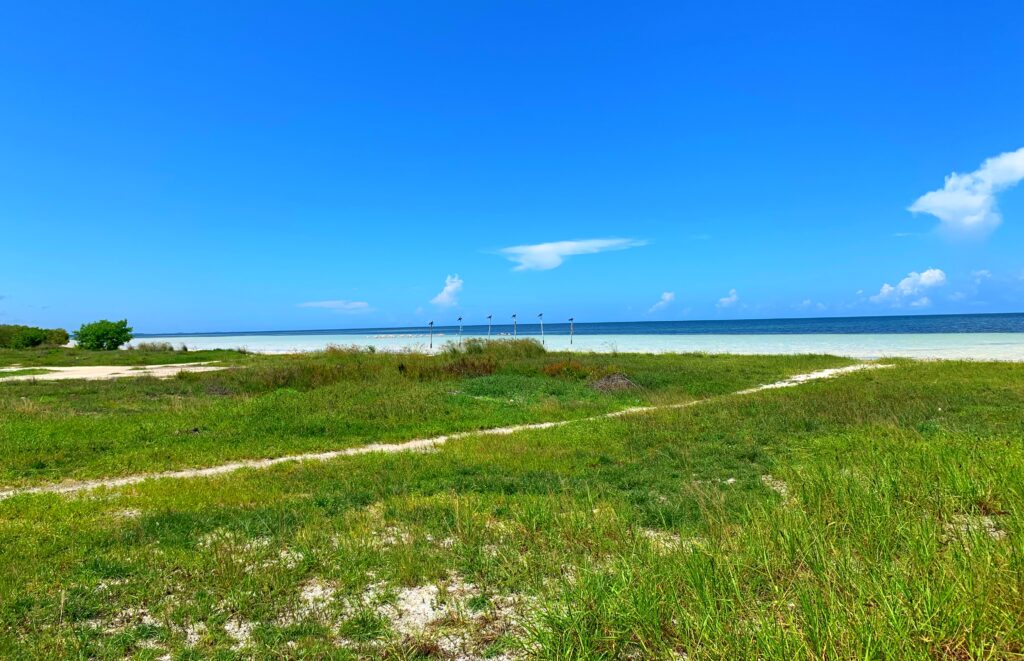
407, 446
103, 372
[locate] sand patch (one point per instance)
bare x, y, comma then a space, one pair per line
391, 536
194, 633
776, 485
240, 632
315, 599
664, 542
124, 620
963, 526
439, 616
106, 372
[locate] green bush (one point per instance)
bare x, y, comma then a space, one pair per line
103, 335
14, 336
57, 337
28, 338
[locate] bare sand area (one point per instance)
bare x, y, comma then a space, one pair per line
104, 372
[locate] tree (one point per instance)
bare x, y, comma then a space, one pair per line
103, 335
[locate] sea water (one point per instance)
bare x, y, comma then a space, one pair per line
978, 337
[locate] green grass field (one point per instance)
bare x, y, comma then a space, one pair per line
874, 515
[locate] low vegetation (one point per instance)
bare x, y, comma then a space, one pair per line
269, 406
875, 515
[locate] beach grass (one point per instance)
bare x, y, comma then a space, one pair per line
268, 406
873, 515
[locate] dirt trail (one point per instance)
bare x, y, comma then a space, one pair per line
406, 446
104, 372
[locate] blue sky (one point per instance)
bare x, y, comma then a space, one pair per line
214, 166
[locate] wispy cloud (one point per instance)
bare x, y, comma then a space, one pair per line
448, 296
545, 256
666, 298
340, 306
808, 304
966, 204
728, 301
911, 287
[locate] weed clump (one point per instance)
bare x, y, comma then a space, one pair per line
615, 382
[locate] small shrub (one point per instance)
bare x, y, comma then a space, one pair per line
57, 337
103, 335
154, 346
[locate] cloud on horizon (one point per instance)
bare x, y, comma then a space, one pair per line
448, 296
911, 287
728, 301
666, 298
966, 204
339, 305
546, 256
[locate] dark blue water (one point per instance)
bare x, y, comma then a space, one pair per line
945, 323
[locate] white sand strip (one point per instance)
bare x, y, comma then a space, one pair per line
406, 446
104, 372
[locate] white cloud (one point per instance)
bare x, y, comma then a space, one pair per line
730, 300
447, 297
340, 306
910, 287
665, 299
982, 274
966, 204
545, 256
